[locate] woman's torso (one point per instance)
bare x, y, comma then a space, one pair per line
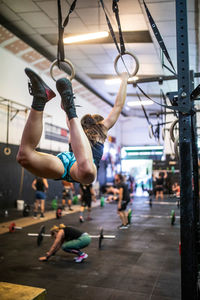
40, 185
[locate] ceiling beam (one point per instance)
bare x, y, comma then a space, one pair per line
142, 36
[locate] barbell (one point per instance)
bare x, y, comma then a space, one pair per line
12, 227
42, 234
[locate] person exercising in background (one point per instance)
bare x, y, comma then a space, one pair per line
67, 194
124, 199
159, 185
87, 195
40, 185
87, 136
70, 239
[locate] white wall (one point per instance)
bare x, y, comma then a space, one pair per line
135, 132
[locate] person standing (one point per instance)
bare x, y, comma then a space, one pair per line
124, 199
67, 194
87, 195
159, 186
40, 185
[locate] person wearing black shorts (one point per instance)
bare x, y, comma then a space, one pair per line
70, 239
124, 199
159, 187
87, 195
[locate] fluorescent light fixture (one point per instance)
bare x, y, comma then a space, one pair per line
140, 148
137, 103
133, 79
85, 37
118, 80
113, 81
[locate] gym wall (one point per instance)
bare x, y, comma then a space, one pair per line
11, 177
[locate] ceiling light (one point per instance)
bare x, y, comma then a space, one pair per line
85, 37
113, 81
137, 103
133, 79
118, 80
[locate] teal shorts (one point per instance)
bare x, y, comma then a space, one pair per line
68, 159
80, 243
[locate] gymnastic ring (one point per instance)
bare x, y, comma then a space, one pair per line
68, 63
171, 130
176, 145
136, 64
7, 151
151, 134
163, 133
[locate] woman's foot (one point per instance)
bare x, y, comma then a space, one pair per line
39, 89
80, 258
64, 88
81, 219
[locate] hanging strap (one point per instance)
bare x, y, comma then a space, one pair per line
120, 49
116, 12
159, 39
110, 27
145, 113
61, 27
173, 107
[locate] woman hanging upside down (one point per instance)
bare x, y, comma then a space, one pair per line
87, 137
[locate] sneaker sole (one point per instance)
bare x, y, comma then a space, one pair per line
49, 93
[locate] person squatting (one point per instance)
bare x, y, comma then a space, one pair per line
70, 239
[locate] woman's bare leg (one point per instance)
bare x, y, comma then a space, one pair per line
83, 169
40, 164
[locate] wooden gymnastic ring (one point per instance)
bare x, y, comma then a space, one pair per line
171, 130
68, 63
176, 147
151, 134
7, 151
163, 133
136, 62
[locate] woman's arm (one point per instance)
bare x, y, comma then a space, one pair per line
119, 103
33, 184
55, 247
45, 183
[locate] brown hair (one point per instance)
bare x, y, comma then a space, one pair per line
120, 176
93, 127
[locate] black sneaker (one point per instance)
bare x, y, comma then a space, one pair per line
42, 215
64, 88
37, 87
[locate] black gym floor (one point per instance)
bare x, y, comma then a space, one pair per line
142, 263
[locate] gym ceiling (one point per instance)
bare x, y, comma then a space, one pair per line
29, 30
